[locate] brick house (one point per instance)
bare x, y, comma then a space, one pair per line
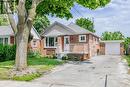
7, 37
60, 39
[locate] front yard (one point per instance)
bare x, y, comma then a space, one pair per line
41, 64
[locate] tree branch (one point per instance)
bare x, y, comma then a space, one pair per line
21, 14
32, 13
10, 16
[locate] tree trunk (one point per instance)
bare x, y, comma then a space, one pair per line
21, 50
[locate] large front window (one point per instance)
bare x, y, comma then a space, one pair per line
3, 40
51, 42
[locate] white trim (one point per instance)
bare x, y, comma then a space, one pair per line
66, 45
82, 36
48, 43
5, 36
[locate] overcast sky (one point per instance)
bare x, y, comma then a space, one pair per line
114, 17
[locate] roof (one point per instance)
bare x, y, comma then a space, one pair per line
35, 33
61, 30
6, 30
112, 41
78, 29
70, 29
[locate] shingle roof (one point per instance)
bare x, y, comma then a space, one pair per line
71, 29
6, 30
78, 29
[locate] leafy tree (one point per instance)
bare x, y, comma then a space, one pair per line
3, 20
40, 23
28, 9
127, 43
86, 23
112, 36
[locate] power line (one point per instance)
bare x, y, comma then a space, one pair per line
78, 11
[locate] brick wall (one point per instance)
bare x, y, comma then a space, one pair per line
12, 40
93, 45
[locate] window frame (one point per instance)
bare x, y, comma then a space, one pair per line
4, 38
85, 38
47, 44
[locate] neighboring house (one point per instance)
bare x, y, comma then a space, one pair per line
112, 47
71, 39
7, 37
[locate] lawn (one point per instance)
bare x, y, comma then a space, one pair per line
39, 63
128, 59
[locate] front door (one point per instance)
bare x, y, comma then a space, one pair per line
66, 44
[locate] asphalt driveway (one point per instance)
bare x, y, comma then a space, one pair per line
82, 74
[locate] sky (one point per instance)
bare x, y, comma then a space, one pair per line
113, 17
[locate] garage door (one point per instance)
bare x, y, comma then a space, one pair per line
112, 48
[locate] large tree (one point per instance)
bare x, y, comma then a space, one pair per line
86, 23
28, 9
117, 35
40, 23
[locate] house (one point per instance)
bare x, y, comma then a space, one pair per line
7, 37
112, 47
63, 40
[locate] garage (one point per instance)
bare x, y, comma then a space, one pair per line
114, 47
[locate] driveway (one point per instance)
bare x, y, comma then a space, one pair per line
82, 74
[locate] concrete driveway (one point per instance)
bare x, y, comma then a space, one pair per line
83, 74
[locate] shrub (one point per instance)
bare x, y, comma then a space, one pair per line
7, 52
32, 54
65, 57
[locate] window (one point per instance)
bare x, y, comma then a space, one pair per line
82, 38
34, 43
51, 42
6, 41
3, 40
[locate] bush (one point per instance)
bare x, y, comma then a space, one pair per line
32, 54
7, 52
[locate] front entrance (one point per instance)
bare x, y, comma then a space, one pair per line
66, 44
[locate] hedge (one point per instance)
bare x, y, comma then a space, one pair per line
7, 52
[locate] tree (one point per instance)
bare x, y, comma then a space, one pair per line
28, 9
112, 36
127, 43
86, 23
40, 23
3, 20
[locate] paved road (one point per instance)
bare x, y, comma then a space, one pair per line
82, 74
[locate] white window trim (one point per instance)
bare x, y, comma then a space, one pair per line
4, 39
80, 38
45, 46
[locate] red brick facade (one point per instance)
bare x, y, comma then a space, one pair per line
88, 48
12, 40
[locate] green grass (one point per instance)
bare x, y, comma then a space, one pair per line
39, 63
27, 77
128, 59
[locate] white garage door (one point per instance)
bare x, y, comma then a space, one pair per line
112, 48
